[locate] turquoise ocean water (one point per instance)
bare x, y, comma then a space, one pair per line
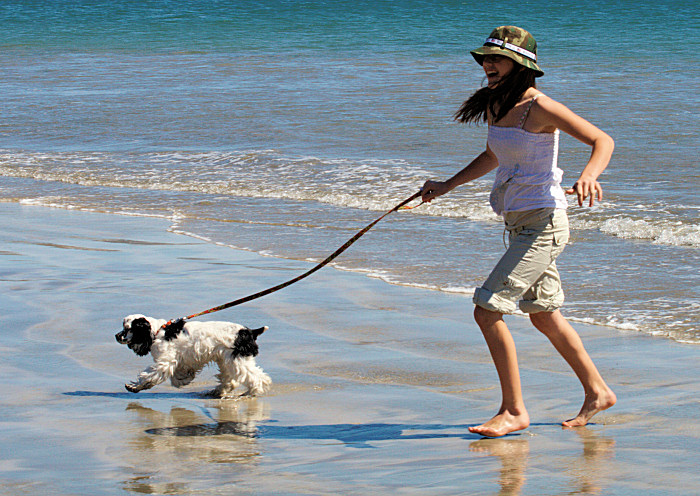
283, 127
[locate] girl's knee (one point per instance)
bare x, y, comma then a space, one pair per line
539, 318
545, 322
485, 318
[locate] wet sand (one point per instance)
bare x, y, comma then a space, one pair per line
374, 385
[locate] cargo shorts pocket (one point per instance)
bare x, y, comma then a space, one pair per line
559, 242
500, 294
512, 287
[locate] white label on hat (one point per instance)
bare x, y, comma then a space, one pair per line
514, 48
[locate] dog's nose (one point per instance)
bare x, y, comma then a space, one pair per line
119, 337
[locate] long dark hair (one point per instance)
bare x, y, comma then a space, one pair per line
499, 100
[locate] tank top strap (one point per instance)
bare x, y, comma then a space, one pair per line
527, 111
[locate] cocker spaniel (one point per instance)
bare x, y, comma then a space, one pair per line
182, 349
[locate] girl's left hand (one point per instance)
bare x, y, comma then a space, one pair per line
583, 188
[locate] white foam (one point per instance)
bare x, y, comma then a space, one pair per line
669, 233
369, 184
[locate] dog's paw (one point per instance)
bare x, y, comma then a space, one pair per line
132, 388
223, 393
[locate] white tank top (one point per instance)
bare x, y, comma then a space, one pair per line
527, 176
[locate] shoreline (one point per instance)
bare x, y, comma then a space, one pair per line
438, 252
374, 384
623, 327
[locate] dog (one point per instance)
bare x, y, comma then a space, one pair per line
182, 349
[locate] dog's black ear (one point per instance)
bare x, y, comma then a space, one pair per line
140, 328
141, 349
141, 337
245, 344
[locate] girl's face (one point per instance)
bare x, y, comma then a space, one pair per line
496, 68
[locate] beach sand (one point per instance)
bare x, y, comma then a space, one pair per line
374, 385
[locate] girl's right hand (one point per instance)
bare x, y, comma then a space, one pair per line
433, 189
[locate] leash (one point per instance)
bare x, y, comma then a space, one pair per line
400, 206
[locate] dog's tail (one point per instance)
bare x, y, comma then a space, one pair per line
257, 332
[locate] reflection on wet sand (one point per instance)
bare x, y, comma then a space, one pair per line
220, 443
589, 469
513, 453
586, 469
181, 444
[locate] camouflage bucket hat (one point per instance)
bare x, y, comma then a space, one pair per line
512, 42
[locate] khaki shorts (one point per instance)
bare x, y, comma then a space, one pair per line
527, 273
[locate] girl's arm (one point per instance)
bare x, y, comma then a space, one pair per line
481, 165
549, 113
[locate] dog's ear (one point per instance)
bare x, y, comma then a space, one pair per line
141, 337
141, 349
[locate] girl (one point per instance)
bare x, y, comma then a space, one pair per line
522, 143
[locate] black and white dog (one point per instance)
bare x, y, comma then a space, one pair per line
182, 349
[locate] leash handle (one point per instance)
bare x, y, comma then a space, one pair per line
283, 285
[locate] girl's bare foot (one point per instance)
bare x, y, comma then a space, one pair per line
502, 424
592, 404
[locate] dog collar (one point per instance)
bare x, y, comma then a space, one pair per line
155, 335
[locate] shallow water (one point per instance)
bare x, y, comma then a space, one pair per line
283, 129
374, 385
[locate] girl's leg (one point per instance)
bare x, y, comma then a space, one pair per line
512, 415
568, 343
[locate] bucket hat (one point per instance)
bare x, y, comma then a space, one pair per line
512, 42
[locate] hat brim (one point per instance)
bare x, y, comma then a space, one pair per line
481, 52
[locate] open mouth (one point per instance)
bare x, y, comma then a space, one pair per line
493, 78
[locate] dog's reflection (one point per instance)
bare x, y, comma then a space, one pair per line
223, 433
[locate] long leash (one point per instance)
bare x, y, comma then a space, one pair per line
402, 205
